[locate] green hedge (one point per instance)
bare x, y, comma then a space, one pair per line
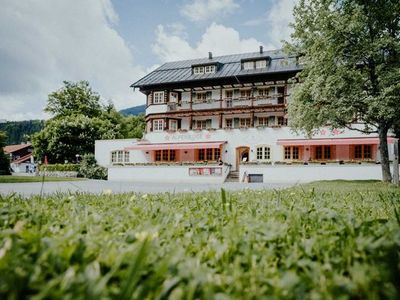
60, 167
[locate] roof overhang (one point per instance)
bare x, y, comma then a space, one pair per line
333, 141
176, 146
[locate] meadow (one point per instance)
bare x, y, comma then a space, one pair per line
20, 179
318, 241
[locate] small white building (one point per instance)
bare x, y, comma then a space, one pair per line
207, 119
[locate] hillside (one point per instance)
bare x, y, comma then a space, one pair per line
133, 111
20, 131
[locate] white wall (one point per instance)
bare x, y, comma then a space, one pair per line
307, 173
250, 137
163, 174
103, 149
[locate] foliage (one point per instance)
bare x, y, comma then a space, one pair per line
351, 67
60, 167
80, 119
90, 169
20, 179
292, 244
21, 131
73, 98
4, 159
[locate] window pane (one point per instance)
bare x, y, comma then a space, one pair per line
287, 152
217, 154
165, 155
295, 154
209, 154
259, 153
358, 151
318, 152
367, 152
327, 152
158, 155
201, 154
267, 153
172, 155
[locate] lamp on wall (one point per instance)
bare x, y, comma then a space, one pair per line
185, 152
226, 151
147, 152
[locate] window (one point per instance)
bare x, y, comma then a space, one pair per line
292, 152
362, 152
228, 94
245, 122
158, 125
229, 123
209, 69
271, 121
245, 93
211, 154
202, 96
262, 121
204, 69
119, 156
173, 125
248, 65
164, 155
323, 152
281, 121
173, 97
202, 124
158, 97
263, 92
263, 153
198, 70
260, 64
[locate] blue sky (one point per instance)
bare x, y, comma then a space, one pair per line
112, 43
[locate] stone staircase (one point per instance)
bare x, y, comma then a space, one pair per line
233, 176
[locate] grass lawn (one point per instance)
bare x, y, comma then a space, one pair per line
325, 240
19, 179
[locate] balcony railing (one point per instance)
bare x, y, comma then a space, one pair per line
274, 99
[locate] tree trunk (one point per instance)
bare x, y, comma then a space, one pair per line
383, 149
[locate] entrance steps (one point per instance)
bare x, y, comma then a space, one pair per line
233, 176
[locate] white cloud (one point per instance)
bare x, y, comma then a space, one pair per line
217, 38
46, 42
202, 10
276, 21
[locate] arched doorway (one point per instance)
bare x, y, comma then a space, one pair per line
242, 155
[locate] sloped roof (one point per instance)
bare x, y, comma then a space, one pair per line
13, 148
23, 159
229, 66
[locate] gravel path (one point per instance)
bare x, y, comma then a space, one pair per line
99, 186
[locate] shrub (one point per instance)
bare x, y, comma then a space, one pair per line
60, 168
90, 169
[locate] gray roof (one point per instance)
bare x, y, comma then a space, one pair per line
230, 66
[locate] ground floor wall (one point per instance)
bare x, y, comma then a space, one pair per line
307, 173
173, 174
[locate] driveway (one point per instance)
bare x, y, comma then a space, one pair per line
100, 186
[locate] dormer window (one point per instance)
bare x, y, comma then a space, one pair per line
206, 69
251, 64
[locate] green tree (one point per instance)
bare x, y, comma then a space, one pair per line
351, 67
79, 119
4, 159
74, 98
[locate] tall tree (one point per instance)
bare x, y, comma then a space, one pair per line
73, 98
351, 67
4, 159
79, 119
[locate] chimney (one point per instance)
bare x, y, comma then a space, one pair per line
261, 49
209, 55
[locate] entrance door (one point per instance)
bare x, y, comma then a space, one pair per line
242, 155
